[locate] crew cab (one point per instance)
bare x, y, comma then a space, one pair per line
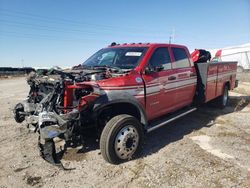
123, 91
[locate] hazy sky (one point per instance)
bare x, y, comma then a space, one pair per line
43, 33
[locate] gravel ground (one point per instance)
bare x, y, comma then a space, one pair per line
208, 148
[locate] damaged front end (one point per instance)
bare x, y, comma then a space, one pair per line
55, 106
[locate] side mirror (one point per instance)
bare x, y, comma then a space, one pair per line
158, 68
148, 70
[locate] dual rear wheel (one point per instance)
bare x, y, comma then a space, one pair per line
222, 100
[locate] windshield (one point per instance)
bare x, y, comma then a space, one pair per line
124, 58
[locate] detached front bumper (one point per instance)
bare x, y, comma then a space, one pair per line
52, 125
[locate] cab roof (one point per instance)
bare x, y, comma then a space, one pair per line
115, 45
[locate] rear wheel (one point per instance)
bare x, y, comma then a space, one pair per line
222, 101
121, 139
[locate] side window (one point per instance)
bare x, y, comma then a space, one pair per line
160, 58
181, 58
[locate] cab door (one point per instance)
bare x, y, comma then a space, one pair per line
185, 77
158, 72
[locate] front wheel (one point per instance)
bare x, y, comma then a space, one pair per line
121, 139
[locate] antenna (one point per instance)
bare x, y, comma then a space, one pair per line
173, 33
172, 36
22, 62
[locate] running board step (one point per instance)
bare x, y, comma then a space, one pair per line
170, 118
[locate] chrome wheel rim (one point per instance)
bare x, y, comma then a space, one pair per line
126, 142
225, 97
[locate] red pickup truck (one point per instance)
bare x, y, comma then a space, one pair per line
122, 92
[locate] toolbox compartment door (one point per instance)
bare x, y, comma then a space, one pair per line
211, 77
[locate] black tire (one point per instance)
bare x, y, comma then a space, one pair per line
222, 100
48, 151
110, 134
19, 108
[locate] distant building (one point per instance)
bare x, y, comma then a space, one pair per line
239, 53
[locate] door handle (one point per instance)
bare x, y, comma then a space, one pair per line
172, 78
193, 74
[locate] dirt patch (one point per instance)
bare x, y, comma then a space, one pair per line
239, 103
204, 142
74, 155
33, 180
247, 182
227, 133
220, 121
20, 169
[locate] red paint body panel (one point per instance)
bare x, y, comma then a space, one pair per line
218, 75
211, 84
195, 55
